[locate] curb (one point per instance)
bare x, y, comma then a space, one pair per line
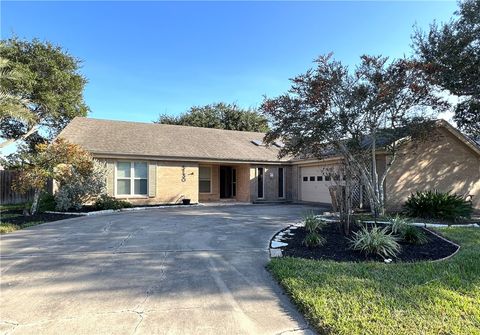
276, 252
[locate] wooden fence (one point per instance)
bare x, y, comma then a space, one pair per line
7, 195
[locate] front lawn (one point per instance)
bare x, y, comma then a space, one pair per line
398, 298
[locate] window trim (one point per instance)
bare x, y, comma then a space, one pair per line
263, 182
211, 178
132, 180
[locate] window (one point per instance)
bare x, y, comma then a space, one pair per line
205, 179
281, 183
319, 178
260, 183
132, 178
312, 178
305, 178
327, 178
234, 182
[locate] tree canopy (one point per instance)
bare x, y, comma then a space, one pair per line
330, 109
220, 116
453, 48
41, 89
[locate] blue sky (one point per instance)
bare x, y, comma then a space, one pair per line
147, 58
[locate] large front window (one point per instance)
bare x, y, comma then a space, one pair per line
205, 179
132, 178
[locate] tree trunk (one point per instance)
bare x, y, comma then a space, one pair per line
36, 198
23, 137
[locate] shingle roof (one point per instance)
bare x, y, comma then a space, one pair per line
167, 141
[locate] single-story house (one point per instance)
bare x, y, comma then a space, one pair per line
156, 163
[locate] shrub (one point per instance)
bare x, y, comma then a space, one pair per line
413, 235
108, 202
312, 222
313, 239
46, 202
397, 223
78, 187
377, 241
438, 205
408, 233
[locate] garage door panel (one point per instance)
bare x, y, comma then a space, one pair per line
315, 190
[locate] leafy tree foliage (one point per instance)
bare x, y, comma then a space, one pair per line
330, 110
220, 116
81, 186
41, 88
56, 161
453, 48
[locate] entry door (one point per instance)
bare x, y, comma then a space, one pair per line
225, 182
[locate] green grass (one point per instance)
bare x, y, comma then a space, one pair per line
8, 227
402, 298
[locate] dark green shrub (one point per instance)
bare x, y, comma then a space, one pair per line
413, 235
438, 205
313, 239
108, 202
376, 241
46, 202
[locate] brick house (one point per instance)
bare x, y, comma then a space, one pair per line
154, 163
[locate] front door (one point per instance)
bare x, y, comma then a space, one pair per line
226, 182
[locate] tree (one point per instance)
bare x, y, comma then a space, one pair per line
220, 116
54, 161
45, 93
78, 187
332, 111
453, 48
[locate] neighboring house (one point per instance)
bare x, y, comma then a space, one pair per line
155, 163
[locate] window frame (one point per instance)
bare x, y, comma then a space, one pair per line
283, 183
132, 179
200, 179
263, 182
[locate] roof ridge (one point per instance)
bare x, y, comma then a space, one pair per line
168, 125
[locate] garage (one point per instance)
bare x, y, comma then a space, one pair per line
314, 183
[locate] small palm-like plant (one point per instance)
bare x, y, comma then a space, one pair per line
376, 241
313, 239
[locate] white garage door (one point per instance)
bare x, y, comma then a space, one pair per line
314, 183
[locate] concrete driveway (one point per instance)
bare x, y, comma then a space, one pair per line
198, 270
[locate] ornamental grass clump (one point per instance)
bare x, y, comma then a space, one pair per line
376, 241
313, 226
401, 227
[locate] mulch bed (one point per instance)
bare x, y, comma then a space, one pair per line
20, 219
337, 247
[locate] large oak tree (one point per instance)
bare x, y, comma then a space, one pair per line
453, 48
220, 116
41, 90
